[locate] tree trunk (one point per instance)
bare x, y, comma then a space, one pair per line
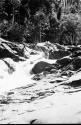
40, 32
13, 17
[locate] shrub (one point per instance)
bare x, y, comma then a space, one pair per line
73, 9
69, 30
11, 32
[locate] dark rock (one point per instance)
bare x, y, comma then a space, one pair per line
41, 66
10, 93
32, 121
53, 71
36, 121
76, 63
58, 54
70, 64
60, 47
75, 48
37, 77
63, 62
76, 83
33, 53
58, 81
11, 50
5, 53
52, 81
76, 53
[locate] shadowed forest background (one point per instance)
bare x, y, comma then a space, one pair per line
33, 21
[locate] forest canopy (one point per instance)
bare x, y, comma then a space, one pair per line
33, 21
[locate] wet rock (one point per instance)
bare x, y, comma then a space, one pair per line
74, 48
33, 53
72, 64
10, 93
36, 121
37, 77
76, 83
11, 50
76, 53
60, 47
54, 71
5, 53
46, 45
63, 62
58, 54
41, 66
67, 73
76, 64
11, 68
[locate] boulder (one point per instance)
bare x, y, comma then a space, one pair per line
60, 47
11, 50
58, 54
63, 62
76, 64
76, 53
74, 48
76, 83
41, 67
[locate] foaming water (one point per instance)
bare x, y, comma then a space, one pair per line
47, 97
19, 77
21, 74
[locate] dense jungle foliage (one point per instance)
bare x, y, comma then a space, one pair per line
33, 21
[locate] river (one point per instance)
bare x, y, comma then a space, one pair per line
42, 95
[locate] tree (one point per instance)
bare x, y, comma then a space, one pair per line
68, 33
15, 4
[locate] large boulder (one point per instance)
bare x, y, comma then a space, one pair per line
63, 62
76, 83
41, 67
11, 50
76, 64
58, 54
76, 53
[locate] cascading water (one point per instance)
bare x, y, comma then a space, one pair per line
42, 86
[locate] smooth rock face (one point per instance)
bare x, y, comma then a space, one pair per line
41, 66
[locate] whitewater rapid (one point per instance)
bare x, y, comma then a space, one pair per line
21, 75
27, 98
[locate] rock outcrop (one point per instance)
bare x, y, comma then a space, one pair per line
41, 67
